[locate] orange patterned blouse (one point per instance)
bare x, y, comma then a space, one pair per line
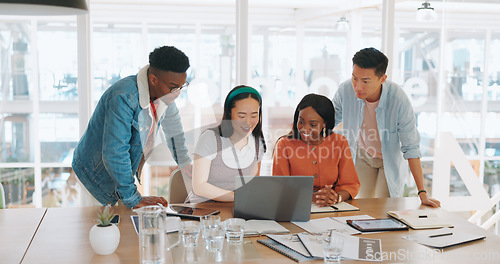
329, 162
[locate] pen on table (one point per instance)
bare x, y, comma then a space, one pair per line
440, 235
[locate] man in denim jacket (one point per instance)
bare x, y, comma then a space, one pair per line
380, 126
120, 134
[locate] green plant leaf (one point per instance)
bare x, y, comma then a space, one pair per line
105, 215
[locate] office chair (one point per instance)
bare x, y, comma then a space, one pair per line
177, 189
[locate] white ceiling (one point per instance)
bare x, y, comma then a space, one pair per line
469, 14
294, 4
285, 12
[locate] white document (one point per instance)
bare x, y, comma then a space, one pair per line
320, 225
343, 219
339, 207
173, 224
357, 248
262, 227
444, 237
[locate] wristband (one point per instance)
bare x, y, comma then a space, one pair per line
421, 191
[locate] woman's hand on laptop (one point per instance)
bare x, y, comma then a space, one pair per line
326, 196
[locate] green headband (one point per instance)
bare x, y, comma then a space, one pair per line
242, 90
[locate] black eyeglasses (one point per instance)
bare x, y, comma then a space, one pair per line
185, 85
175, 89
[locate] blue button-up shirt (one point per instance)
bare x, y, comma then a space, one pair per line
108, 154
396, 126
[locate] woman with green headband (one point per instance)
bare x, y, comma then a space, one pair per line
234, 148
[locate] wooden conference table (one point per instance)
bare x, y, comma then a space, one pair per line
17, 227
60, 235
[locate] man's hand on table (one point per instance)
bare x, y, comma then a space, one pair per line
151, 200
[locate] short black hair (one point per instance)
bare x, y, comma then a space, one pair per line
322, 105
371, 58
169, 58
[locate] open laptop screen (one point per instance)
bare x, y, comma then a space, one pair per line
280, 198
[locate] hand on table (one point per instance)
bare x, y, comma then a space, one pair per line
326, 196
151, 200
426, 200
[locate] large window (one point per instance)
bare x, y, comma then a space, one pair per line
116, 53
57, 61
58, 137
39, 124
292, 51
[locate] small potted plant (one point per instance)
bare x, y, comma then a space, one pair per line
104, 236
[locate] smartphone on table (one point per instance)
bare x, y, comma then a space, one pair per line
115, 220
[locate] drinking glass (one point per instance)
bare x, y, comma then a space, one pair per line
208, 221
190, 231
214, 238
332, 245
235, 229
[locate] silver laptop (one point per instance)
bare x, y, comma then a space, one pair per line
280, 198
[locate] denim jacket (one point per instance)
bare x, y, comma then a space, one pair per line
396, 124
108, 154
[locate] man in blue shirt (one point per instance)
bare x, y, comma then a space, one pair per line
121, 133
380, 126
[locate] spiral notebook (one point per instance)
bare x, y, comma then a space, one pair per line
292, 254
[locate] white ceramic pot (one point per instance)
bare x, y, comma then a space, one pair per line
104, 239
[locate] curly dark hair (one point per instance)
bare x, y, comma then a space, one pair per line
169, 58
371, 58
322, 105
